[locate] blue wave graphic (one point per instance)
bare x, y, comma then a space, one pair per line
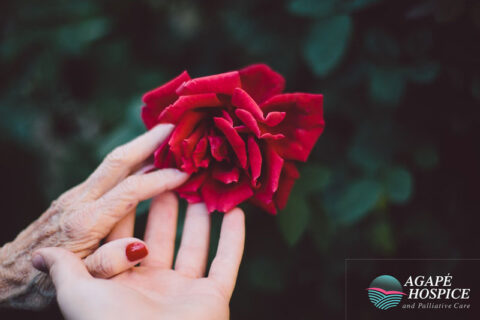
384, 301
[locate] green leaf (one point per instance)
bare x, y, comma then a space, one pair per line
313, 178
348, 204
382, 238
19, 122
326, 44
326, 8
373, 144
312, 7
293, 220
386, 86
75, 37
399, 184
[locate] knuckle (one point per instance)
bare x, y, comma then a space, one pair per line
191, 272
74, 226
62, 202
101, 267
131, 184
57, 205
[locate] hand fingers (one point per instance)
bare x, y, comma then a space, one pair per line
193, 252
116, 203
116, 257
161, 230
121, 161
225, 266
124, 228
64, 267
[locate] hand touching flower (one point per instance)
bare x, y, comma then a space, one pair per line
237, 134
104, 205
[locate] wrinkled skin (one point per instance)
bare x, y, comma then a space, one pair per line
101, 206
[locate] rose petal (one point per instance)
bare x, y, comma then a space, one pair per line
302, 125
165, 94
241, 99
227, 116
242, 129
190, 190
220, 83
270, 136
244, 102
200, 152
238, 145
268, 207
218, 147
183, 129
255, 160
274, 118
273, 167
249, 121
157, 99
226, 174
149, 117
188, 146
174, 112
224, 197
287, 180
261, 82
194, 183
163, 158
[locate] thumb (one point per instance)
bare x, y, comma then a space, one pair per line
62, 265
116, 257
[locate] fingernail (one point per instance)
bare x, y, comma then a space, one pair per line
39, 263
136, 251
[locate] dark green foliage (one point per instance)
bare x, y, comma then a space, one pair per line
397, 166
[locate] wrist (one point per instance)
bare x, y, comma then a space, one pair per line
21, 285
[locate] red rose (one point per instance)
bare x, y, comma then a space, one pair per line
237, 134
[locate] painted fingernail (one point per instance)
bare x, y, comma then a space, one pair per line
39, 263
136, 251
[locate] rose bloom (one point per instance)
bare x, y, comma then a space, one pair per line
237, 134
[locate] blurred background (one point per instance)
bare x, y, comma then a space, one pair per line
395, 173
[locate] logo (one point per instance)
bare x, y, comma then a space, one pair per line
385, 292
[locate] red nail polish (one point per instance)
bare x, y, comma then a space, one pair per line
136, 251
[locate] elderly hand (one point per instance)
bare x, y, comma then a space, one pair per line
154, 290
102, 206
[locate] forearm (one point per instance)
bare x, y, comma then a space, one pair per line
21, 285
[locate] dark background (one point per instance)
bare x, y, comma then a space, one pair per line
395, 173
